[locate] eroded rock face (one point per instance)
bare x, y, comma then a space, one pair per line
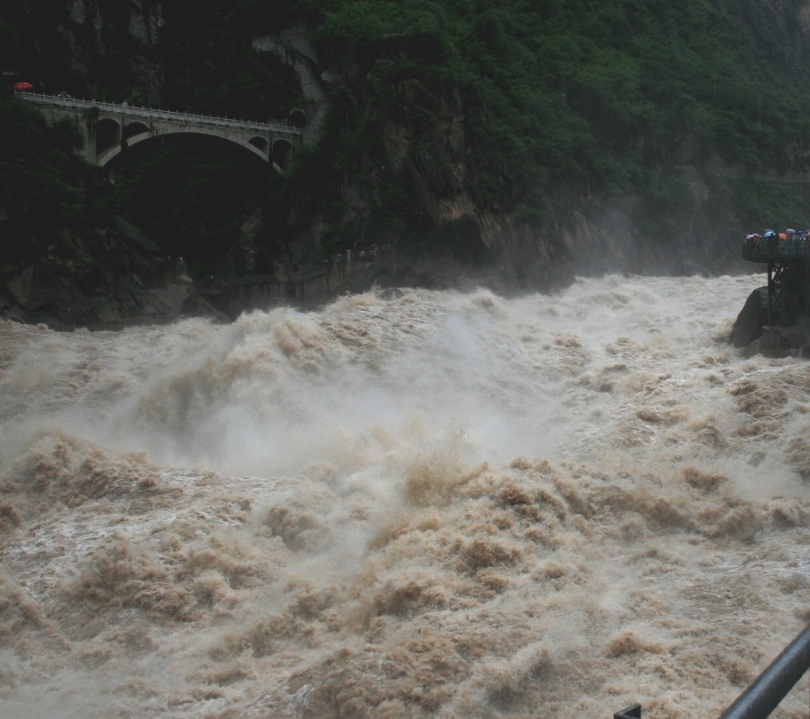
427, 152
787, 13
294, 47
117, 277
426, 146
118, 40
748, 326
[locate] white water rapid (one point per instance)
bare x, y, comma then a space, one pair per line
429, 505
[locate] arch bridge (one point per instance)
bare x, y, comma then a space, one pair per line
108, 128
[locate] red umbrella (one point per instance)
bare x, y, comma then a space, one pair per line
23, 86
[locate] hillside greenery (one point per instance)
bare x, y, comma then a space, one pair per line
583, 94
45, 189
561, 98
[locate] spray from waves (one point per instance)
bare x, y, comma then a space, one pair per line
434, 504
274, 389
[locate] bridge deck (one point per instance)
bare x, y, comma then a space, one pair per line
150, 113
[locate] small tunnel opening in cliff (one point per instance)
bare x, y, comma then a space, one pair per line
192, 195
462, 240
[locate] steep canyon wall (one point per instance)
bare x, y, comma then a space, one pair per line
451, 230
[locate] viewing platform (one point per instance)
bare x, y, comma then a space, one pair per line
788, 268
793, 250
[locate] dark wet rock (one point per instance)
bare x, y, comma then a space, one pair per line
793, 341
774, 343
113, 277
138, 239
752, 317
10, 311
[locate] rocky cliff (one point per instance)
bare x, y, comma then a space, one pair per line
427, 152
425, 175
114, 277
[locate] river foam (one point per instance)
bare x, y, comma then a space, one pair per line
407, 505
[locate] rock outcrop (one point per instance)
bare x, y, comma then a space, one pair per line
753, 334
752, 318
117, 277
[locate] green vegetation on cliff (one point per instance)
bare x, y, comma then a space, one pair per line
556, 99
597, 96
45, 189
562, 99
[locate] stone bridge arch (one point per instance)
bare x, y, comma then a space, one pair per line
281, 154
133, 129
136, 132
107, 135
262, 144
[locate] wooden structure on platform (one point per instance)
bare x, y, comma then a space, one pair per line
788, 264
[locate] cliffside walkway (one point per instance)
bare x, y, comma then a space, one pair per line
233, 295
109, 128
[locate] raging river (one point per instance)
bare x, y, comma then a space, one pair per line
404, 505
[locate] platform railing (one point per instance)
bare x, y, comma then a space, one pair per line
151, 113
765, 693
763, 249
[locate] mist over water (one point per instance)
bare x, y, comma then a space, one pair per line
434, 504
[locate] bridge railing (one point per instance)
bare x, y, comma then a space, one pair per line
151, 113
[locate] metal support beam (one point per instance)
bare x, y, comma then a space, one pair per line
787, 294
767, 690
770, 687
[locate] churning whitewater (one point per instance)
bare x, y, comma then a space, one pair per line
404, 505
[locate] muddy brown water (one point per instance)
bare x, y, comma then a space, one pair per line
435, 505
